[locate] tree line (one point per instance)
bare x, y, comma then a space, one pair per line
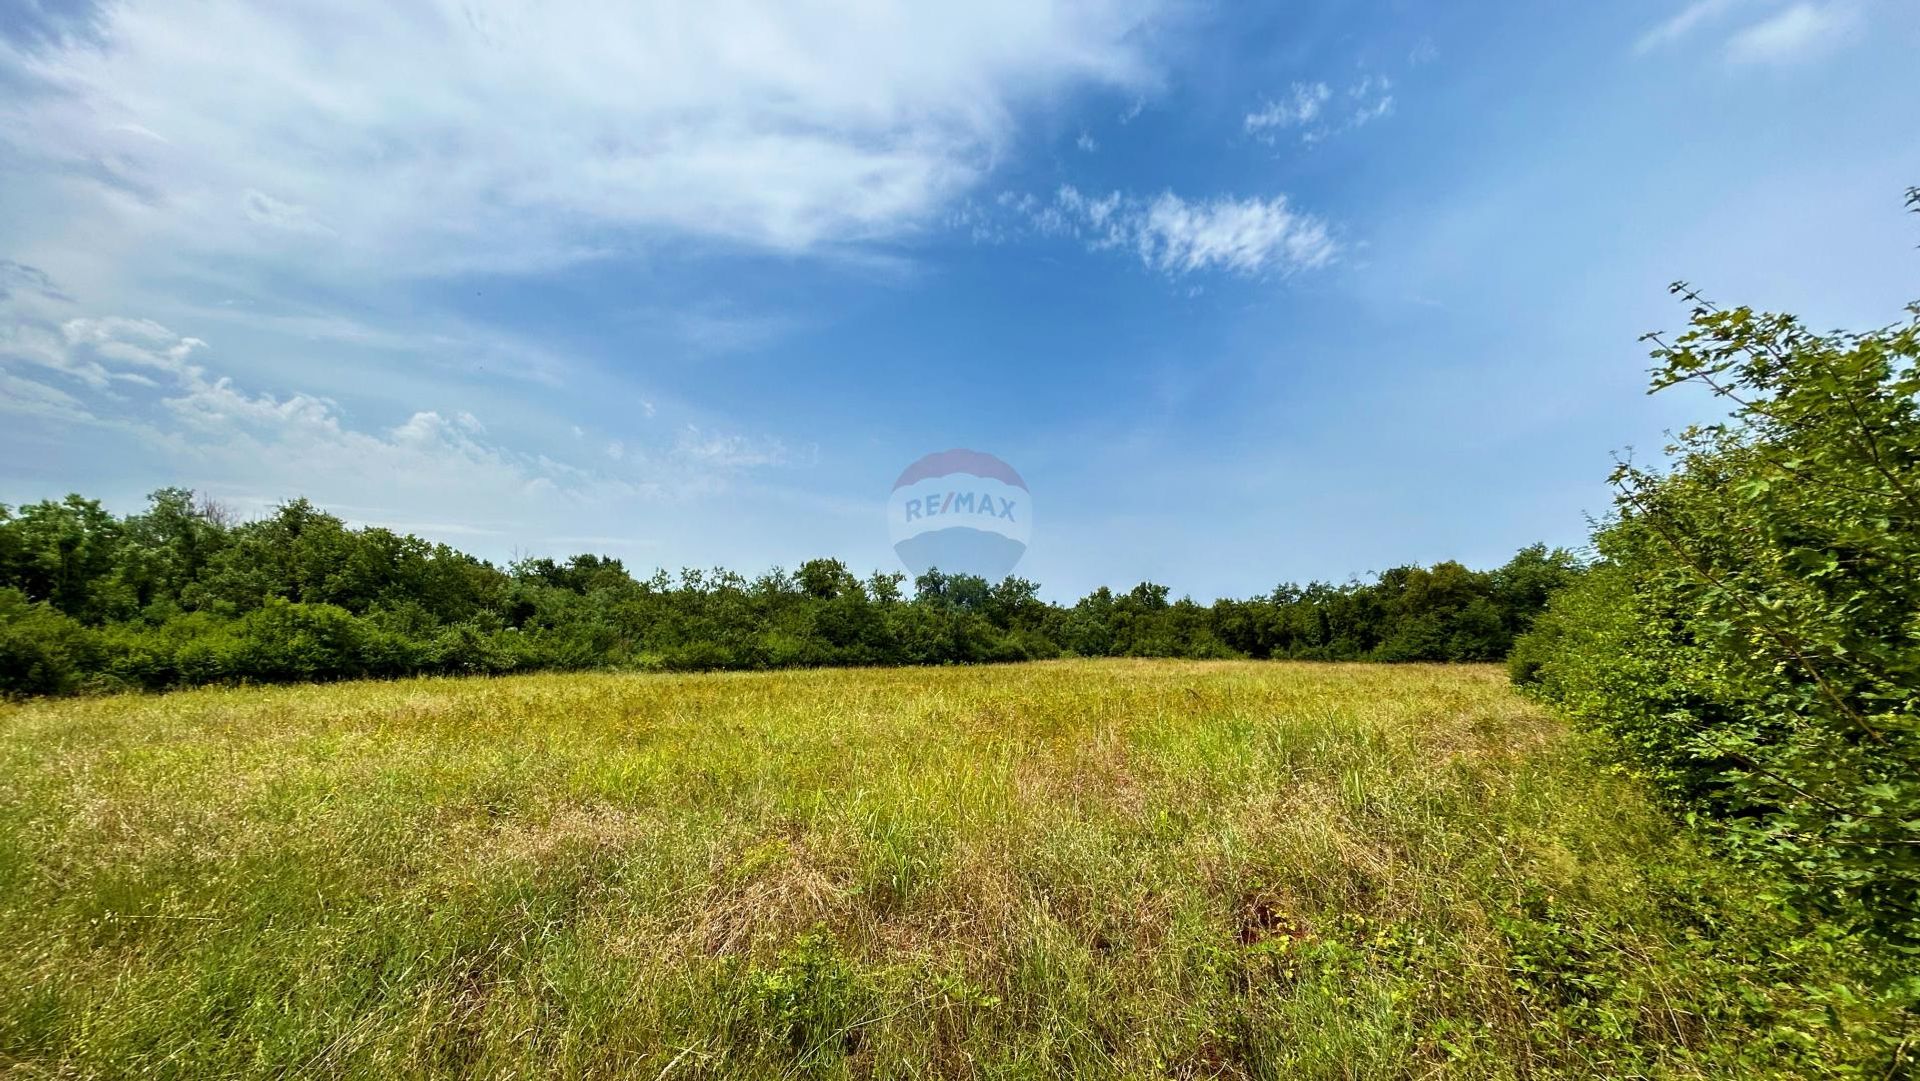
180, 594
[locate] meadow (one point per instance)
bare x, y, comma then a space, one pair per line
1095, 868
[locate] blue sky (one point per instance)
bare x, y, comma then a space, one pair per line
1247, 294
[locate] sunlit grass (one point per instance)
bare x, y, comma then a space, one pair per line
1110, 869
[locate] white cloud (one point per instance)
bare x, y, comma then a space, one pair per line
1684, 22
27, 397
1086, 143
1318, 112
263, 447
437, 340
1372, 98
1096, 212
37, 342
1298, 107
139, 342
716, 329
1177, 236
137, 379
729, 451
1798, 33
37, 330
510, 134
1245, 235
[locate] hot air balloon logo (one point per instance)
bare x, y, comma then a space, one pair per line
961, 512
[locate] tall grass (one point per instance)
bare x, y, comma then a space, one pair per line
1103, 869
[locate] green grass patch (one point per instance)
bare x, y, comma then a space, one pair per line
1119, 869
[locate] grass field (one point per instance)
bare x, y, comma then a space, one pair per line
1101, 869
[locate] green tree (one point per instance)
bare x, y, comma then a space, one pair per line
64, 553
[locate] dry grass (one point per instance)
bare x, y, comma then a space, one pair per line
1114, 869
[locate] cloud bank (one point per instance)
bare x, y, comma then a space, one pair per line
436, 136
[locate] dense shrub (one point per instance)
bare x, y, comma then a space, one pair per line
1752, 636
42, 651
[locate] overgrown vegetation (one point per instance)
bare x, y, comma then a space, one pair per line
1099, 869
177, 595
1751, 639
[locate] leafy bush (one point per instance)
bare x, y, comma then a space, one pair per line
1753, 638
41, 650
810, 1001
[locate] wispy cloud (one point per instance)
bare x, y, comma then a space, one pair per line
1174, 235
167, 392
1244, 235
729, 450
1796, 32
1317, 112
19, 277
1369, 99
710, 331
1800, 32
1685, 22
23, 397
39, 331
264, 209
508, 134
1299, 106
